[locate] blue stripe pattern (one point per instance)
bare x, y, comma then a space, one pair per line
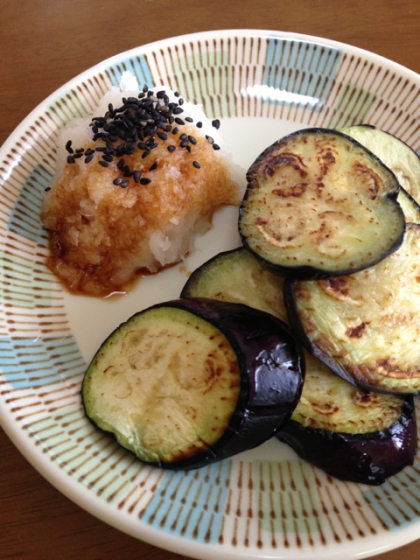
26, 363
199, 514
137, 65
302, 73
24, 218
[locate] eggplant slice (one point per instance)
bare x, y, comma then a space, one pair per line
350, 433
189, 382
319, 204
365, 326
393, 152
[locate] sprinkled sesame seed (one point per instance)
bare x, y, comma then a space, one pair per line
125, 184
70, 159
189, 119
136, 176
47, 189
196, 164
117, 181
192, 140
145, 181
89, 158
216, 147
154, 166
179, 120
216, 123
108, 157
162, 135
199, 124
171, 148
69, 148
209, 139
103, 163
175, 130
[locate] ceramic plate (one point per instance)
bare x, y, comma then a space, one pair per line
262, 504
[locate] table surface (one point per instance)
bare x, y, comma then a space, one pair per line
43, 44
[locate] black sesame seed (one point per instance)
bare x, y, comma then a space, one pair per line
69, 148
179, 121
181, 102
88, 159
171, 148
184, 143
104, 163
162, 135
78, 155
216, 123
117, 181
145, 181
80, 150
196, 164
192, 140
175, 130
70, 159
199, 124
216, 147
120, 164
176, 93
47, 189
209, 139
154, 166
142, 146
136, 176
178, 110
125, 184
108, 157
189, 119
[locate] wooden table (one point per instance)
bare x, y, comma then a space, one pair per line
44, 43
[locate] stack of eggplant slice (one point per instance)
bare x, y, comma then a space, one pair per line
307, 332
330, 246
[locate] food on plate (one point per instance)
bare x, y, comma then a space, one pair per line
350, 433
318, 204
365, 326
189, 382
134, 186
393, 152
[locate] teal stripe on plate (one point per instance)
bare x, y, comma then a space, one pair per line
137, 65
302, 73
29, 363
191, 504
24, 218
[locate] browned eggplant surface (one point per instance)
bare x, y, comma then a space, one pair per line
366, 326
189, 382
319, 204
348, 432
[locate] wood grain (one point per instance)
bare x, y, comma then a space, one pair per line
43, 44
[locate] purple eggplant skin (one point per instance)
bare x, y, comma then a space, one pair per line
364, 458
272, 370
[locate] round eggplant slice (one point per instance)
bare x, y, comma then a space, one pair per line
365, 326
350, 433
318, 204
393, 152
237, 276
189, 382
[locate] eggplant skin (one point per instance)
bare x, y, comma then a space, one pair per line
319, 204
271, 369
364, 458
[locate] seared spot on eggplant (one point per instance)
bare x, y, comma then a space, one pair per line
356, 332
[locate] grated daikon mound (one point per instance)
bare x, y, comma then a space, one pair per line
103, 235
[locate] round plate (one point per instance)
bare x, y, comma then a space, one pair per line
262, 504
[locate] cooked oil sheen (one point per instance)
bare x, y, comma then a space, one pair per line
166, 384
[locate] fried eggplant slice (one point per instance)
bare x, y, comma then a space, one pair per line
319, 204
394, 153
365, 326
350, 433
186, 383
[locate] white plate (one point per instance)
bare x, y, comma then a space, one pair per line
263, 504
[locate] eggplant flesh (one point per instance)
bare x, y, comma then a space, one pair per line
350, 433
394, 153
189, 382
319, 204
365, 326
